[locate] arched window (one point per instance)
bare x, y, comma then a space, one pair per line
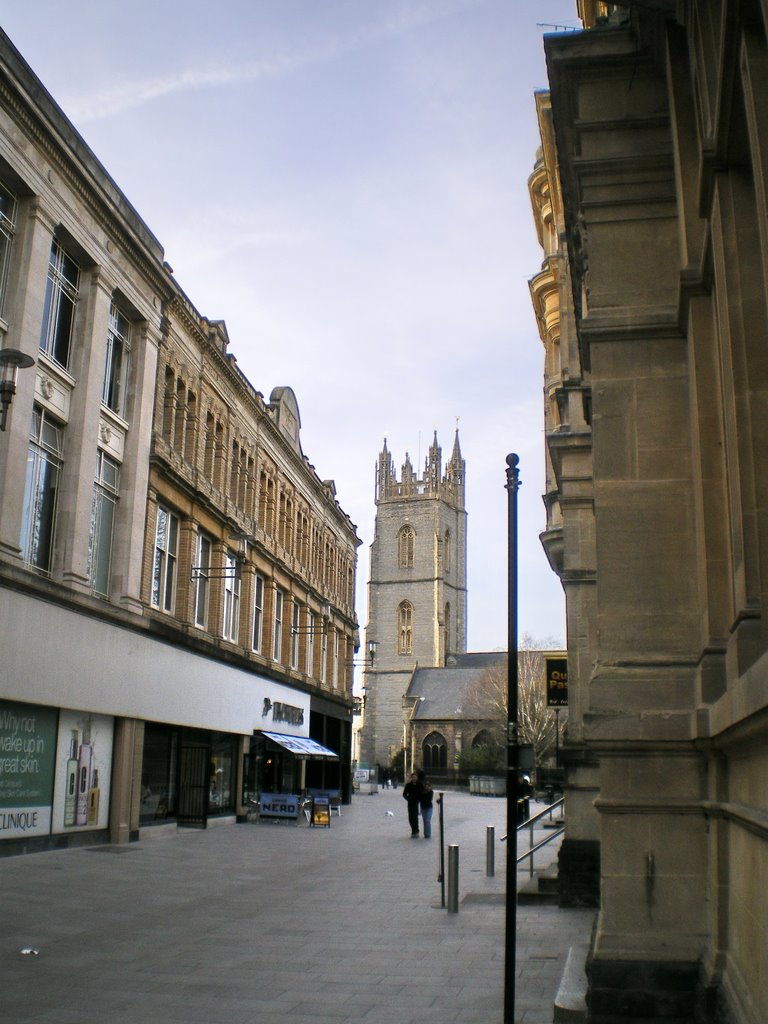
434, 752
448, 628
406, 539
405, 628
483, 739
447, 551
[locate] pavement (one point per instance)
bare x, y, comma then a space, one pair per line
262, 923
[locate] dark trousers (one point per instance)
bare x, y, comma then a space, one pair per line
413, 816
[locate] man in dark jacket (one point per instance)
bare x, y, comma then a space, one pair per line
412, 793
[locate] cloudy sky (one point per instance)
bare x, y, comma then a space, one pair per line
344, 182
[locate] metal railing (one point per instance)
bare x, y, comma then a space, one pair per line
529, 824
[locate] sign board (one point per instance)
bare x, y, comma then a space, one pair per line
321, 811
557, 682
279, 805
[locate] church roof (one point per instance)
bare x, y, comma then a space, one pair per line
439, 692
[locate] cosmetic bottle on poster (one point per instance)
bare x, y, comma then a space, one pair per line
70, 795
94, 795
84, 767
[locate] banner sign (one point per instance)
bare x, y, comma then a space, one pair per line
557, 682
27, 759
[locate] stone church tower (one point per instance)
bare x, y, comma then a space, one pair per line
417, 589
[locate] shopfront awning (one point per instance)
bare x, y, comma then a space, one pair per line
302, 746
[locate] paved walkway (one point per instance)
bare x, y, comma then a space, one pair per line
264, 923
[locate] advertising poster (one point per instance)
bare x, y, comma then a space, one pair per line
83, 772
27, 761
557, 682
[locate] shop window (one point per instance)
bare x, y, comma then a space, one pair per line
158, 774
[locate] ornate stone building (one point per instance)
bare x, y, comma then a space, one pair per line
176, 582
417, 590
650, 196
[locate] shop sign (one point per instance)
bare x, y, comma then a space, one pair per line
321, 811
282, 712
557, 682
279, 805
27, 758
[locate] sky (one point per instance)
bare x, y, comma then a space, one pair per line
344, 182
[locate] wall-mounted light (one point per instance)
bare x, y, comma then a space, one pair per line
11, 361
369, 658
226, 572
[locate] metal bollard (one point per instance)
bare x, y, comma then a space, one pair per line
453, 879
490, 851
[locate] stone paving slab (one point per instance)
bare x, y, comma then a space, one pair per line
266, 923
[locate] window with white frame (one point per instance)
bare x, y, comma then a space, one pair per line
295, 619
203, 549
115, 384
324, 656
335, 663
166, 555
258, 613
7, 231
277, 633
44, 464
231, 599
103, 513
61, 293
311, 621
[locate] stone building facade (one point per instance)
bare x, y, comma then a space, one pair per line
176, 581
417, 591
650, 195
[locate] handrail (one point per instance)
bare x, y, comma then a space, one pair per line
538, 846
529, 823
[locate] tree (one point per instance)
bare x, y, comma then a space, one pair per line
486, 700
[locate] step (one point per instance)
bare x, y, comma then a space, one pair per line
571, 1001
531, 893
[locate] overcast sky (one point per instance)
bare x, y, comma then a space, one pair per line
344, 182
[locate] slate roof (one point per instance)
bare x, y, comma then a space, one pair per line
440, 691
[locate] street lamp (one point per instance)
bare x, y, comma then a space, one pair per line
11, 361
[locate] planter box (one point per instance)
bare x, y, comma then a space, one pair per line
488, 785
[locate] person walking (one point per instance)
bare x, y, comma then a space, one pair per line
412, 794
425, 802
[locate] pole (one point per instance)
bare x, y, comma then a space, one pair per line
441, 876
513, 752
453, 879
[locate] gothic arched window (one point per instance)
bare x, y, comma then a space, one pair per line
447, 551
406, 539
434, 752
405, 628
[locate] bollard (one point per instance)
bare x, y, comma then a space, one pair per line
490, 851
453, 879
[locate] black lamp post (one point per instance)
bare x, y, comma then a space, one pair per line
513, 751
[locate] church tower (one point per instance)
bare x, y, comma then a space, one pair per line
417, 588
